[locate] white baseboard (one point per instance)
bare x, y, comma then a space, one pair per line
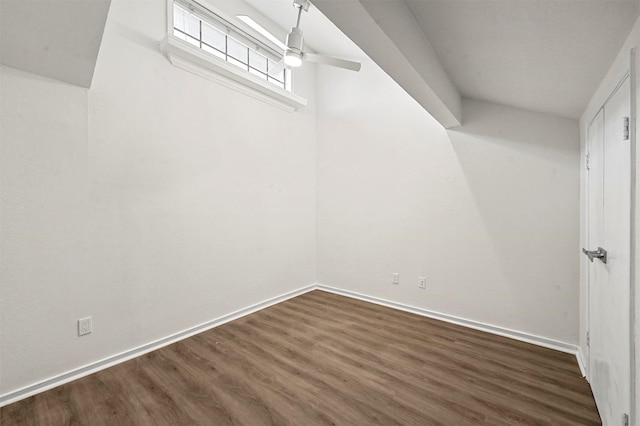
581, 362
94, 367
493, 329
88, 369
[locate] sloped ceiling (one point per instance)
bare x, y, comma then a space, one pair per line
59, 39
546, 56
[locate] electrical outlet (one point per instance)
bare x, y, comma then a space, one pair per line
396, 278
422, 283
84, 326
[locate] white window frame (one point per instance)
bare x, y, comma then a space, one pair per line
191, 58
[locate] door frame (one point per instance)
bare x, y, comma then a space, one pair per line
633, 230
625, 69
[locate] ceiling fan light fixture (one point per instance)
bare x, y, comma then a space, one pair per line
293, 59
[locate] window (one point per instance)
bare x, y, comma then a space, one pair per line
214, 35
205, 42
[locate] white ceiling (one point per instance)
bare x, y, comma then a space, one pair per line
58, 39
546, 56
541, 55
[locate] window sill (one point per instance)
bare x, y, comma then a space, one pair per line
189, 58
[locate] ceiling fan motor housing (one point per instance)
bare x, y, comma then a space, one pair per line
295, 40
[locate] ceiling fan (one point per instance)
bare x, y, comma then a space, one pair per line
294, 54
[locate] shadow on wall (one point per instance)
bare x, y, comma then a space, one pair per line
523, 171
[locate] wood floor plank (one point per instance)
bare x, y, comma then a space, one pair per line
324, 359
465, 361
352, 361
329, 378
454, 406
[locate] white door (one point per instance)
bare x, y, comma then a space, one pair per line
609, 221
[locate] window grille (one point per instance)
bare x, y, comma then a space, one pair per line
214, 35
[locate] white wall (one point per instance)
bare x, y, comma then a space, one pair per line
153, 202
488, 212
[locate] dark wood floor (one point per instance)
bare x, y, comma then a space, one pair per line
325, 359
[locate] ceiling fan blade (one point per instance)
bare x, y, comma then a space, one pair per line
277, 68
335, 62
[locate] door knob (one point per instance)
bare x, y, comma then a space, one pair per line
596, 254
